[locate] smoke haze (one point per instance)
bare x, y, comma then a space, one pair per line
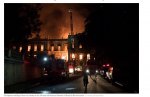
56, 19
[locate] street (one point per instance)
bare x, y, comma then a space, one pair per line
76, 86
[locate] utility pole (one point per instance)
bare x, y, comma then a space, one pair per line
71, 21
70, 34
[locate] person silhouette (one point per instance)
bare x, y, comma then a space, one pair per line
85, 79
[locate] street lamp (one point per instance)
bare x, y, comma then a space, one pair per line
87, 71
45, 59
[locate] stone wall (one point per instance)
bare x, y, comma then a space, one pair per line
16, 71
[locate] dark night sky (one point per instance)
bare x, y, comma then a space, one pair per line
55, 18
56, 21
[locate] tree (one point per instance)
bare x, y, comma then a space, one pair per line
113, 30
20, 20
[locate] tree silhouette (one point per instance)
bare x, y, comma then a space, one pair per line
113, 30
19, 21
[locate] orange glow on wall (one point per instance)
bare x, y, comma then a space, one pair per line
65, 47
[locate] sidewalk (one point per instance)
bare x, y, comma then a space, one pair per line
20, 87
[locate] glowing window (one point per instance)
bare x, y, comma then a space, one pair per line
35, 47
88, 56
72, 43
63, 57
73, 56
29, 48
80, 56
42, 47
35, 56
20, 49
80, 46
59, 48
52, 48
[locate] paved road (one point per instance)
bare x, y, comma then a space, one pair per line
76, 86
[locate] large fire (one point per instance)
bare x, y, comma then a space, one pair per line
56, 20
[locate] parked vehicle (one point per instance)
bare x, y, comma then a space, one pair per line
106, 71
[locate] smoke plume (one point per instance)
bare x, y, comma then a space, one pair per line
56, 19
